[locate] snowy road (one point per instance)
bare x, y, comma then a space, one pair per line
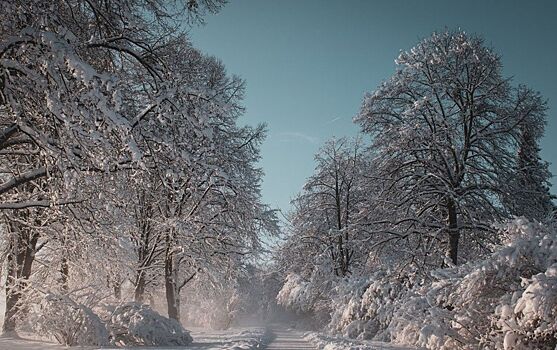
27, 344
289, 340
325, 342
231, 339
235, 339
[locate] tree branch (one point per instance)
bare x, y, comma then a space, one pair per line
21, 179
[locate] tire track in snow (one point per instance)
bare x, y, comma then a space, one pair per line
288, 340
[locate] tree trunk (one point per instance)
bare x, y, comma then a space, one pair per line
341, 261
139, 287
453, 230
20, 261
65, 274
12, 297
172, 297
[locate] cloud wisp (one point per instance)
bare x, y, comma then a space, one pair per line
289, 136
333, 120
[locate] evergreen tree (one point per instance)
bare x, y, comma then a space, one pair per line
533, 199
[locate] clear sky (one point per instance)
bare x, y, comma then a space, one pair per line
308, 63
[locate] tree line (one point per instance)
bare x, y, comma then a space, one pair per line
449, 147
121, 159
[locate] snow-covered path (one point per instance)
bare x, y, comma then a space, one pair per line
232, 339
7, 343
325, 342
288, 340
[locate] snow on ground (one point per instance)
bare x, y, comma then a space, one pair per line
289, 339
9, 343
232, 339
324, 342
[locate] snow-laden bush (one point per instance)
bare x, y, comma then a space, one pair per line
134, 324
296, 294
533, 321
363, 307
528, 317
308, 297
70, 322
507, 301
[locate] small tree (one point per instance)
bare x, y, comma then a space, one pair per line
325, 212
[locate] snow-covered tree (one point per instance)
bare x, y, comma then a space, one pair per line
104, 102
531, 196
325, 212
324, 243
445, 131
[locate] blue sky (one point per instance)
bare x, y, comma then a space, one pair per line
308, 64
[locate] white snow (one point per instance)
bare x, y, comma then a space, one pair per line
9, 343
231, 339
324, 342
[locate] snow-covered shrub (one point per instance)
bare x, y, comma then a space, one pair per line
70, 322
326, 342
348, 317
426, 321
352, 307
296, 294
311, 297
533, 320
507, 301
363, 307
134, 324
528, 317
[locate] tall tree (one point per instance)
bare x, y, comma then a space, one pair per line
445, 130
67, 107
530, 184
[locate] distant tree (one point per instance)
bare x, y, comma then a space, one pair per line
531, 195
325, 212
445, 131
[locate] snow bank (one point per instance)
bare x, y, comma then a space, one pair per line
234, 339
249, 339
8, 343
